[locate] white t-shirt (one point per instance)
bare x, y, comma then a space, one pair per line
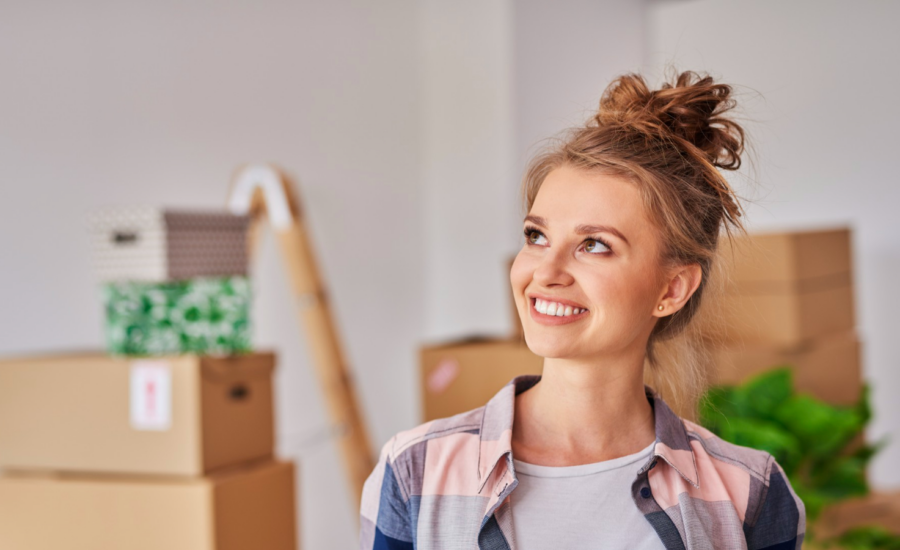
586, 506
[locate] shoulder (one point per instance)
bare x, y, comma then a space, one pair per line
403, 469
757, 484
403, 442
724, 455
431, 444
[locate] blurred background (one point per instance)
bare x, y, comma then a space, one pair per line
407, 126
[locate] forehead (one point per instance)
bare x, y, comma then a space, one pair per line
572, 196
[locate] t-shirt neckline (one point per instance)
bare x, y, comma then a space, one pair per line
536, 470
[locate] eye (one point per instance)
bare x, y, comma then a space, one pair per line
532, 236
595, 246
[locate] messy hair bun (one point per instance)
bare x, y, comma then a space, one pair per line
691, 110
672, 142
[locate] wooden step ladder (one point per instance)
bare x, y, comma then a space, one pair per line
264, 192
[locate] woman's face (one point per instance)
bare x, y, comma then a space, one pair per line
588, 245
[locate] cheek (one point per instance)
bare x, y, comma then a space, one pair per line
521, 272
618, 292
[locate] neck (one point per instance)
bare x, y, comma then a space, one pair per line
583, 411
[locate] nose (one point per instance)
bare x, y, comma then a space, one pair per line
553, 268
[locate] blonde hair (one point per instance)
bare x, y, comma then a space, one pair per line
672, 143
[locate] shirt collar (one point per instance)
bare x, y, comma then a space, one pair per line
672, 443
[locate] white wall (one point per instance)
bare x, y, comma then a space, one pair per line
566, 54
466, 54
156, 103
819, 82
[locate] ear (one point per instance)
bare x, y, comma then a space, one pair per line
682, 283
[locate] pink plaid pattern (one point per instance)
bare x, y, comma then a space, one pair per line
445, 484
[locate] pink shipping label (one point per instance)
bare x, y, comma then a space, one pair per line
443, 375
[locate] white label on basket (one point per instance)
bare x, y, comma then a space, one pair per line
151, 395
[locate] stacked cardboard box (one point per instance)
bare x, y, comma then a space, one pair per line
174, 452
788, 299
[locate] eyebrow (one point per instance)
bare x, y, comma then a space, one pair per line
582, 229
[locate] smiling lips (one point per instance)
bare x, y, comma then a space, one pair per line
554, 313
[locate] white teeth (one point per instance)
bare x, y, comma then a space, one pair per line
556, 309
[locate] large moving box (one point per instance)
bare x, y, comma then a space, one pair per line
879, 509
240, 508
180, 415
464, 375
784, 288
828, 367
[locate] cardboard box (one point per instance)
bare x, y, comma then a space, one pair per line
880, 509
783, 288
251, 506
827, 367
464, 375
181, 415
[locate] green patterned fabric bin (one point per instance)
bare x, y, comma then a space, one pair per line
209, 315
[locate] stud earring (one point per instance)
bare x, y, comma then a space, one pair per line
660, 307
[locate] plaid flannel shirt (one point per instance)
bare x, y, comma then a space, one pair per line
446, 484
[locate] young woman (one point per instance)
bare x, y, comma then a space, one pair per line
623, 223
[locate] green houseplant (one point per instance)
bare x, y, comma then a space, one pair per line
818, 445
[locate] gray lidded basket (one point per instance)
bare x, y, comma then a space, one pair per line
157, 244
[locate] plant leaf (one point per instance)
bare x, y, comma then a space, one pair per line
869, 537
765, 392
765, 436
841, 478
716, 406
822, 429
813, 501
863, 406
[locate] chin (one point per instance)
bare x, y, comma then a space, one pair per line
548, 346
